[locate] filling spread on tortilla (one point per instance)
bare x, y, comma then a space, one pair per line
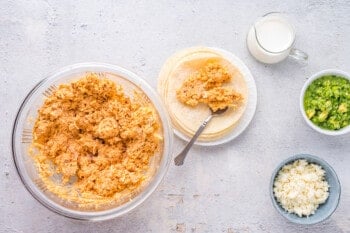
207, 86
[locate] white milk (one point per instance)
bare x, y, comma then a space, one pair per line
271, 40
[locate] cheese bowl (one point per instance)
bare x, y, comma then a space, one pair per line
325, 210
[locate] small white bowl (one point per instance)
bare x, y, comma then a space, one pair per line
342, 131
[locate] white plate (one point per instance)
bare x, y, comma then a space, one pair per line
250, 108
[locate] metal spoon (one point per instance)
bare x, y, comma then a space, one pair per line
179, 159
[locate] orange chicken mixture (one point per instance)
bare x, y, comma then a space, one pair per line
96, 139
206, 86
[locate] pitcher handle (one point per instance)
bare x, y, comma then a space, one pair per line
299, 55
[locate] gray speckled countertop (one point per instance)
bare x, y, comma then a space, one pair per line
220, 189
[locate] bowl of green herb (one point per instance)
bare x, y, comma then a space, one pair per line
325, 102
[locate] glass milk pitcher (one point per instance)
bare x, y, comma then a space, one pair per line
271, 39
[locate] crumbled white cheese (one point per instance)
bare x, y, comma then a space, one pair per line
300, 187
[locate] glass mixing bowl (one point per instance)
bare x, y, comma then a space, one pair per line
22, 139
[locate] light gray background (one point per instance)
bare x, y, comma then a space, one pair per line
219, 189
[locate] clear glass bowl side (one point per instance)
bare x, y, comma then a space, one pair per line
22, 137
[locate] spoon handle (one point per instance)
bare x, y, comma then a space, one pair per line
179, 159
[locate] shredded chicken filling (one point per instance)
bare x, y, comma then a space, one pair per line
90, 132
206, 86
